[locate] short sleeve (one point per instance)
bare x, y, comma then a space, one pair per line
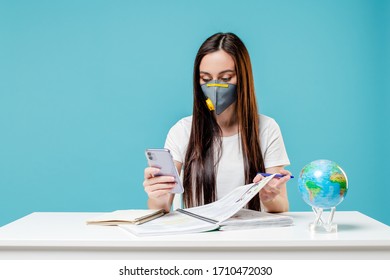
274, 150
177, 139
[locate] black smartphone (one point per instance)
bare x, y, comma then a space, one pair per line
162, 158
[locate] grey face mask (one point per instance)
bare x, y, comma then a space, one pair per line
219, 95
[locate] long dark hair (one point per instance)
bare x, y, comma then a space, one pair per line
204, 147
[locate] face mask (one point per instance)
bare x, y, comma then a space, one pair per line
219, 95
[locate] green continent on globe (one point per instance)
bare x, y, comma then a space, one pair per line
340, 179
313, 189
307, 169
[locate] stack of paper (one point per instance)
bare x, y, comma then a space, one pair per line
246, 219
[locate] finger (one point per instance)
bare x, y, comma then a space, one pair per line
158, 187
287, 175
274, 182
272, 190
275, 190
158, 180
279, 181
266, 190
284, 180
257, 178
161, 180
159, 193
150, 172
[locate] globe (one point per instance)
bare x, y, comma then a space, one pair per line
323, 184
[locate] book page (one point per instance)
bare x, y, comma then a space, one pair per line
246, 218
230, 204
171, 223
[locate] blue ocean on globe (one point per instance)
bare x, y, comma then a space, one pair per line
323, 184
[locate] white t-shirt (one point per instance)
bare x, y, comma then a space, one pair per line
230, 173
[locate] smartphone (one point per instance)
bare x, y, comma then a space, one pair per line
162, 158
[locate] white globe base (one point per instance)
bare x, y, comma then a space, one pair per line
321, 225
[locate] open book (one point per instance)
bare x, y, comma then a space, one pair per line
226, 212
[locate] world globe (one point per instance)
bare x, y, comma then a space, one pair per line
323, 184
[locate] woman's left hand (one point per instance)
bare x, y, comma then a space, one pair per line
273, 188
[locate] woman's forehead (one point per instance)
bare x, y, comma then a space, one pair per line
216, 62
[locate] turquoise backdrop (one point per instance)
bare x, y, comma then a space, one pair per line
86, 86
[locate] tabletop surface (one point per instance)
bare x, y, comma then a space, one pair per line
57, 229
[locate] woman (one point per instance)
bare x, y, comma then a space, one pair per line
225, 143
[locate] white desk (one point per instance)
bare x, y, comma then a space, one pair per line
66, 236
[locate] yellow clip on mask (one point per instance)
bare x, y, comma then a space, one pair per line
219, 95
209, 104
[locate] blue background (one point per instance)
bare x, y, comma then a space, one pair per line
86, 86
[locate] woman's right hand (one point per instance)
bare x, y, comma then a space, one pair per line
157, 187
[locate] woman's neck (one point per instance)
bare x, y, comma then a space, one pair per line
227, 121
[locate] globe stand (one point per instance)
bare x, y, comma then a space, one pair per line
321, 226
